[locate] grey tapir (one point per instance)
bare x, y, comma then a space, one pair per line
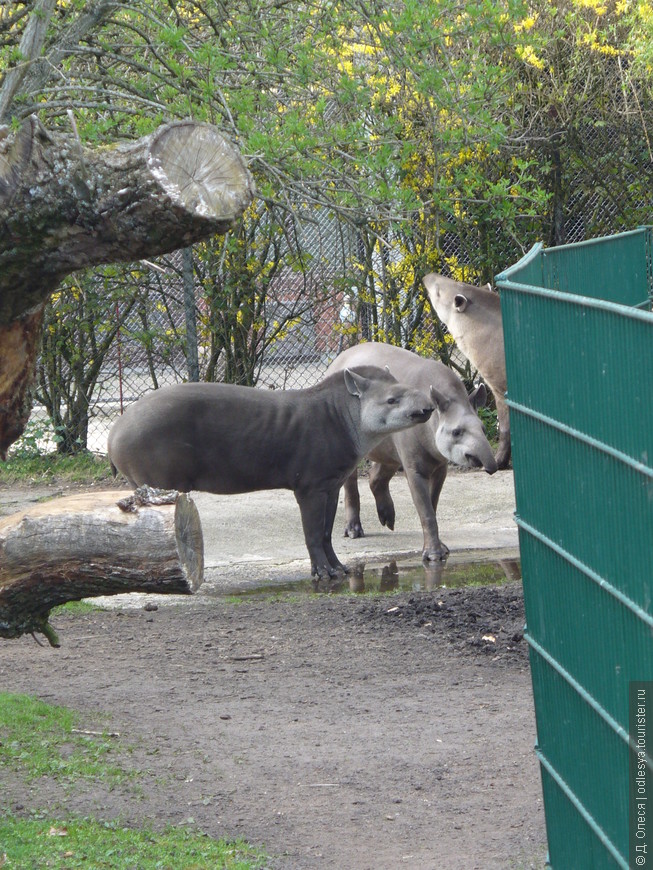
453, 433
223, 438
473, 316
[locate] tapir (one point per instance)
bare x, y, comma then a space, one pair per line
473, 317
224, 438
454, 433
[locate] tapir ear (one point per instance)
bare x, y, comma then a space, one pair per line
488, 286
440, 400
478, 397
460, 302
356, 384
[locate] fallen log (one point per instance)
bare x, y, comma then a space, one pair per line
95, 544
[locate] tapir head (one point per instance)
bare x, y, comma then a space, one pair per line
459, 435
386, 405
473, 317
451, 299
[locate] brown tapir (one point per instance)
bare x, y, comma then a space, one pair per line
454, 433
473, 317
223, 438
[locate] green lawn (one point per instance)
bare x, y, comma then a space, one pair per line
40, 740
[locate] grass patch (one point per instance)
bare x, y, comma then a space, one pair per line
85, 843
268, 595
475, 574
38, 739
46, 468
75, 608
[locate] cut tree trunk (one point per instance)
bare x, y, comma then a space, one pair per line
64, 207
95, 544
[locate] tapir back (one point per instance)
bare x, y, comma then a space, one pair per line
224, 438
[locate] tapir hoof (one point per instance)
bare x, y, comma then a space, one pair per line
386, 516
435, 554
328, 572
323, 572
353, 529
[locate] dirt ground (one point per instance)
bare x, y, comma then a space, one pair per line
334, 731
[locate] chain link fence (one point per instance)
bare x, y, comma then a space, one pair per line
118, 332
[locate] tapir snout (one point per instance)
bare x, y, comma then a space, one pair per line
475, 462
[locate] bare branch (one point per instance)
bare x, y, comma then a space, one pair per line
40, 70
30, 49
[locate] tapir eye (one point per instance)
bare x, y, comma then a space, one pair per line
457, 433
393, 400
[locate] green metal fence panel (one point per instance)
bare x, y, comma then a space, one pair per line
578, 332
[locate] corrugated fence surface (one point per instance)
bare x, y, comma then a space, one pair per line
579, 354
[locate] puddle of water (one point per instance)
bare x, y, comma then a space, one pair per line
405, 575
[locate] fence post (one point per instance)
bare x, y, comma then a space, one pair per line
192, 361
119, 348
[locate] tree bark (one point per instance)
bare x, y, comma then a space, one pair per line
19, 347
95, 544
64, 207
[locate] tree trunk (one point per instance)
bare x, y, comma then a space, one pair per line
64, 208
19, 347
95, 544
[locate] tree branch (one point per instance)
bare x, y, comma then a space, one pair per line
36, 74
30, 49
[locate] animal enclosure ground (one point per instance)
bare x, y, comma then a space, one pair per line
337, 732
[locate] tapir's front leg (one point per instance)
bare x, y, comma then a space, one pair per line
329, 519
503, 449
425, 491
317, 508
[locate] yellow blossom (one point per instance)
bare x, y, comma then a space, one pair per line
526, 23
528, 55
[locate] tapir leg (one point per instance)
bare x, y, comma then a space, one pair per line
316, 509
425, 489
329, 519
353, 527
380, 477
503, 450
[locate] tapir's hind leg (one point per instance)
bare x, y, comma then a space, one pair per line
353, 527
380, 477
